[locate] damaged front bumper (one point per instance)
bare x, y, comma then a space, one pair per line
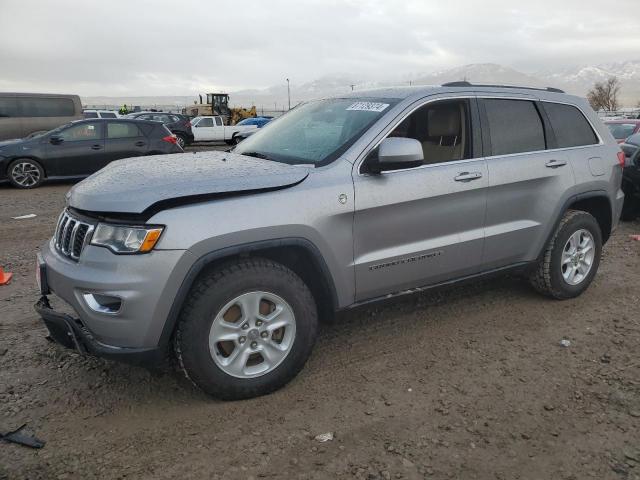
70, 333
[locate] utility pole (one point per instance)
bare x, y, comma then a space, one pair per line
352, 85
288, 94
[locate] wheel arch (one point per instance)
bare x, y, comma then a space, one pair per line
298, 254
26, 157
599, 206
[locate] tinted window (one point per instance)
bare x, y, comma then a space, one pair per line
442, 128
80, 132
514, 126
122, 130
569, 125
8, 107
205, 122
90, 114
620, 131
46, 107
108, 115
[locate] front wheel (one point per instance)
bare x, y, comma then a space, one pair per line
25, 173
246, 329
571, 258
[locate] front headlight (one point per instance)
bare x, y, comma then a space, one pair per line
125, 239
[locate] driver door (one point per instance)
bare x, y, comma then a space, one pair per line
424, 225
80, 150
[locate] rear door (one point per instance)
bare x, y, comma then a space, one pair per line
124, 139
527, 178
80, 151
423, 225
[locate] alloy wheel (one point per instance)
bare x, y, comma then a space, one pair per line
25, 174
252, 334
577, 257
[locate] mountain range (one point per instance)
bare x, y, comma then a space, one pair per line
576, 80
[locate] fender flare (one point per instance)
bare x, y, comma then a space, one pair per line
568, 202
202, 262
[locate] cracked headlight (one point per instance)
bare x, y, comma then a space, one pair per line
126, 239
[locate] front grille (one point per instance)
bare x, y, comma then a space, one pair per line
72, 235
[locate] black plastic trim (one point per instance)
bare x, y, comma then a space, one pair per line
200, 264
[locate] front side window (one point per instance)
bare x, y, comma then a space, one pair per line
80, 132
108, 115
569, 125
442, 128
90, 114
122, 130
515, 126
8, 107
205, 122
316, 132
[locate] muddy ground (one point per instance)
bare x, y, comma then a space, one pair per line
465, 383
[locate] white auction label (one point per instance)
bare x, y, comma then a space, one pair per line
368, 106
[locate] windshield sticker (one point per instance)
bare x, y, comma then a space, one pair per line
368, 106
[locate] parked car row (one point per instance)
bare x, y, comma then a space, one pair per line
81, 148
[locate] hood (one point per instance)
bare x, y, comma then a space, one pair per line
136, 185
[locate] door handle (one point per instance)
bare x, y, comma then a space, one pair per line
555, 163
96, 147
140, 144
467, 176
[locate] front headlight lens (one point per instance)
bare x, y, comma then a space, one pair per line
124, 239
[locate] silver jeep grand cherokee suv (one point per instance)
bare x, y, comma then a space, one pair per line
231, 258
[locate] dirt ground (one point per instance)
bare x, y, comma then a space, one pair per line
465, 383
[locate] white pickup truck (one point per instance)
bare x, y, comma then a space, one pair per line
213, 129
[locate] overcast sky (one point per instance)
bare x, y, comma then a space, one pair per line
157, 47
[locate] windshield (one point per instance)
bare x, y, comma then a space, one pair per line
620, 131
317, 132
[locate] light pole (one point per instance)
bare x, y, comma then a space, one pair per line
288, 94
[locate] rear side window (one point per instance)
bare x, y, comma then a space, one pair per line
108, 115
90, 114
218, 121
122, 130
569, 125
8, 107
46, 107
515, 126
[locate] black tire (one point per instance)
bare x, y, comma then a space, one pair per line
18, 180
547, 277
181, 140
209, 294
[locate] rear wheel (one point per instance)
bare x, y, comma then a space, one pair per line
571, 258
246, 329
25, 173
181, 140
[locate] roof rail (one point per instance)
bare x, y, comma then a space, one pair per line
464, 83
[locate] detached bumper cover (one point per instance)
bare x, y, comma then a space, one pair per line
70, 333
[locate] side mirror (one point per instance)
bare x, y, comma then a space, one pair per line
397, 153
56, 140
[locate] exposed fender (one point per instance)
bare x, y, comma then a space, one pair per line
199, 265
568, 202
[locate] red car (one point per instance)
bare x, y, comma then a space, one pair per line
623, 129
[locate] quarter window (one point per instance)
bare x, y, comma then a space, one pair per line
569, 125
443, 129
515, 126
122, 130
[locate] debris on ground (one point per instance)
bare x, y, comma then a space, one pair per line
5, 277
22, 438
24, 217
324, 437
635, 237
565, 343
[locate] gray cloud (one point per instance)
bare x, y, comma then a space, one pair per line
145, 47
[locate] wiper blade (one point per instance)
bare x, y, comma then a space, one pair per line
257, 155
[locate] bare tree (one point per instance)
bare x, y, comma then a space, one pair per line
604, 95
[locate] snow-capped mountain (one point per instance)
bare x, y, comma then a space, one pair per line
483, 73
